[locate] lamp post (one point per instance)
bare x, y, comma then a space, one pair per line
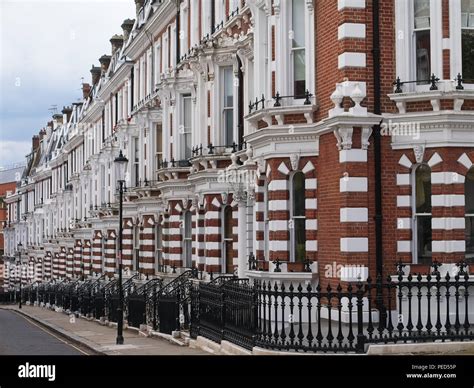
120, 171
19, 246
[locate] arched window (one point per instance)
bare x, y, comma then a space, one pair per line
188, 237
469, 214
422, 215
298, 218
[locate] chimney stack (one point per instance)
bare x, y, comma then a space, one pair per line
117, 43
127, 27
57, 120
86, 90
104, 63
67, 112
139, 5
95, 72
35, 142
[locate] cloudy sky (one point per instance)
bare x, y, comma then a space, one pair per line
46, 47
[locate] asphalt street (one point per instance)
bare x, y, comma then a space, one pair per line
22, 336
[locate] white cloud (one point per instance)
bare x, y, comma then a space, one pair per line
13, 151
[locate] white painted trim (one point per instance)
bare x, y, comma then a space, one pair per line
449, 246
404, 223
434, 160
447, 200
311, 184
354, 244
277, 204
405, 162
283, 168
403, 179
278, 184
311, 203
353, 155
341, 4
278, 225
353, 185
403, 201
404, 246
351, 59
311, 245
311, 224
351, 30
465, 161
446, 178
448, 223
279, 245
354, 214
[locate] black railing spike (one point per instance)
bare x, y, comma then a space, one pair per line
459, 81
277, 266
398, 83
434, 80
308, 95
277, 100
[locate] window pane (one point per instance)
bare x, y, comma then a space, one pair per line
298, 195
469, 192
467, 13
228, 222
297, 22
423, 189
187, 225
468, 54
229, 126
424, 238
423, 55
299, 72
228, 87
470, 239
300, 239
422, 13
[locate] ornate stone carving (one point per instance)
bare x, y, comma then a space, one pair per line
419, 151
294, 160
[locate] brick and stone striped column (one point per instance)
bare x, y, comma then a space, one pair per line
48, 261
86, 256
199, 244
55, 266
62, 262
78, 258
166, 237
39, 273
110, 255
147, 246
175, 234
127, 244
259, 219
213, 233
97, 252
69, 262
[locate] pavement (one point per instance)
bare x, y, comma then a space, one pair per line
62, 335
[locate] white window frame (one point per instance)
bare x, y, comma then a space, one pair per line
223, 108
405, 43
455, 33
293, 217
187, 240
136, 247
135, 161
414, 223
185, 131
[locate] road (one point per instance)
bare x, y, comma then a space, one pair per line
22, 336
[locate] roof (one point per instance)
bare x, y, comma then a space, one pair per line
11, 175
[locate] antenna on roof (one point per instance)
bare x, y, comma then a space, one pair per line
53, 109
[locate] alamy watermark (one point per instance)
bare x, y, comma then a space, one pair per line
407, 129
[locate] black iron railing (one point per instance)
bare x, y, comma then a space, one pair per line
433, 81
217, 150
173, 163
307, 98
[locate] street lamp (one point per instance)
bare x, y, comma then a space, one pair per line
19, 246
120, 171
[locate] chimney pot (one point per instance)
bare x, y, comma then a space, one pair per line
67, 112
139, 5
127, 27
117, 43
86, 89
104, 63
95, 72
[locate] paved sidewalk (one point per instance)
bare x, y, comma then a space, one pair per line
100, 338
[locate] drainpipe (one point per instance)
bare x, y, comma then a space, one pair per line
377, 163
178, 43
